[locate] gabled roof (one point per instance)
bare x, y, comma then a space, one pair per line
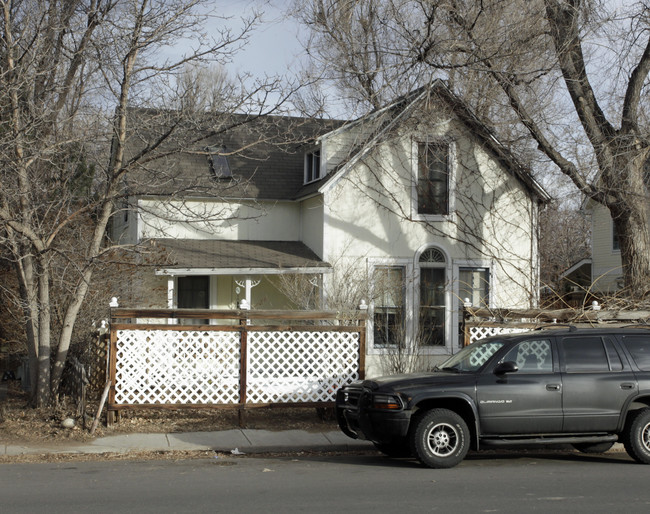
383, 120
266, 153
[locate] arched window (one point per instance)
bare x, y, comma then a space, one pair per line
433, 282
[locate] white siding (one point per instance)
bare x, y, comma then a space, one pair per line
606, 262
270, 221
311, 233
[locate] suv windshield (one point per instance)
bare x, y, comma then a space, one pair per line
472, 357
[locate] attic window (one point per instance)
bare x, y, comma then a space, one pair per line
218, 159
312, 166
433, 178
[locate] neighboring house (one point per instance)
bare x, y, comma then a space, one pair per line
418, 202
576, 278
606, 270
606, 265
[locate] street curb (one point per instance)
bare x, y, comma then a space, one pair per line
238, 441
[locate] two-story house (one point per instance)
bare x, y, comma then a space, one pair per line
415, 209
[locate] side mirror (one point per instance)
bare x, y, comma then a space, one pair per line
506, 367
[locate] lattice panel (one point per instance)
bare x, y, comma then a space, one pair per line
541, 351
486, 351
177, 367
477, 333
296, 366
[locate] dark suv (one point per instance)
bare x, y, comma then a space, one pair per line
585, 387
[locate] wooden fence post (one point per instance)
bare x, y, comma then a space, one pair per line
243, 358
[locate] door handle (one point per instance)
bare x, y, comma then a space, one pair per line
627, 385
552, 387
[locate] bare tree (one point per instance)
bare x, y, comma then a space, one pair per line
564, 241
72, 72
563, 80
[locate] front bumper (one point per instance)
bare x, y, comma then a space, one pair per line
359, 420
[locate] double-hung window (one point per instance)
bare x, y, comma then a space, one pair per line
433, 178
388, 296
474, 285
312, 166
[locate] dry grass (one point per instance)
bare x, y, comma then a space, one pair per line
21, 423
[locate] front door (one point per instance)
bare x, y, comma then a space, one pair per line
194, 293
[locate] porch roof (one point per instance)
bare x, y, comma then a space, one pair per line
224, 257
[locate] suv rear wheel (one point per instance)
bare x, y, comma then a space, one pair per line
637, 437
440, 439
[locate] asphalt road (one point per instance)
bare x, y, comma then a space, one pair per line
487, 482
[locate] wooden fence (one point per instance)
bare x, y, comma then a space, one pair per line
231, 359
480, 323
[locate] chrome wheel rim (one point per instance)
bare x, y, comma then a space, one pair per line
443, 439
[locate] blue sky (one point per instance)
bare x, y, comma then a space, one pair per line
274, 45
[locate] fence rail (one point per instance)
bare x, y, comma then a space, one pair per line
236, 365
480, 323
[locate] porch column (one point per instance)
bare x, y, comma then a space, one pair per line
170, 298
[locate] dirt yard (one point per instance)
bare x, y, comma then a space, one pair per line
20, 423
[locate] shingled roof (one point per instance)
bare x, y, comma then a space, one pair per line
234, 257
265, 155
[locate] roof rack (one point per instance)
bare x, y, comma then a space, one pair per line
572, 328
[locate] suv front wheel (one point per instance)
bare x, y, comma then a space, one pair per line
440, 439
637, 437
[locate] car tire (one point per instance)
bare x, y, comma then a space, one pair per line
593, 448
637, 437
440, 439
396, 449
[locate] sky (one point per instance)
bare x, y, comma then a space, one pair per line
274, 47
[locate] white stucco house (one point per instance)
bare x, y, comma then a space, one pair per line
418, 204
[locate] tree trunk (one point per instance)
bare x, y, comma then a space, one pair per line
631, 224
43, 390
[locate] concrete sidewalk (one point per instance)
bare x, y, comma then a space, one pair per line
229, 441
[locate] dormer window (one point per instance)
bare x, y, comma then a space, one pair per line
312, 166
218, 160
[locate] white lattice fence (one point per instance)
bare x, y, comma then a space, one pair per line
300, 366
480, 332
177, 367
202, 367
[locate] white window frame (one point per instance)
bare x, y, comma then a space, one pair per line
453, 169
450, 314
407, 265
476, 265
318, 170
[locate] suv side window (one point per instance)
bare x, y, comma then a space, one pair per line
587, 354
532, 356
615, 362
639, 348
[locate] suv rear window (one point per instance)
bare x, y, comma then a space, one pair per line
584, 354
639, 348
